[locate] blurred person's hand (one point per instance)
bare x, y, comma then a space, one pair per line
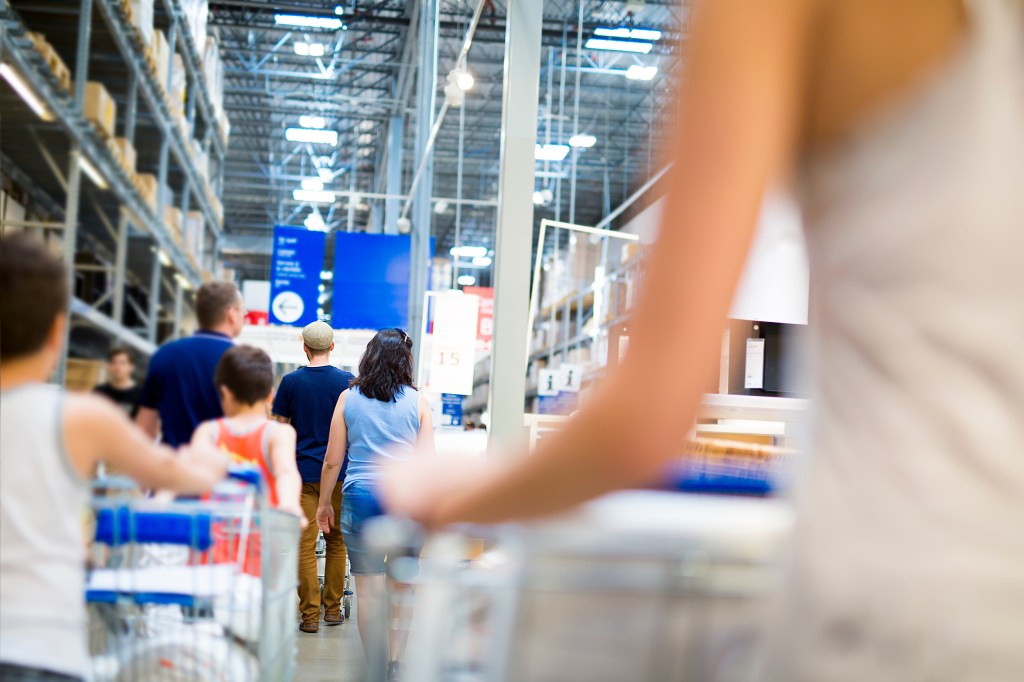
325, 517
205, 458
296, 510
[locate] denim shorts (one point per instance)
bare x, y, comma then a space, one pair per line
358, 505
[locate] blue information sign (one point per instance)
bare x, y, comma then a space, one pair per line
371, 280
451, 409
295, 275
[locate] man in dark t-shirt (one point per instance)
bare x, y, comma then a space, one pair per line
306, 399
179, 392
121, 387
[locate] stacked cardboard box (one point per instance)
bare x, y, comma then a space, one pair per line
142, 19
172, 221
82, 375
57, 66
161, 58
193, 232
147, 186
126, 154
100, 108
176, 87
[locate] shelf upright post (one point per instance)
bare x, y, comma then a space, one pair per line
75, 170
514, 233
179, 299
121, 256
161, 195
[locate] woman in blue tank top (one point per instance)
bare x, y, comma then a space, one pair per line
380, 419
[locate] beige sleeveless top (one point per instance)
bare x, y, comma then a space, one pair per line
909, 562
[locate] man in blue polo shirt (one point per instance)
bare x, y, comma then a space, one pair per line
306, 399
179, 392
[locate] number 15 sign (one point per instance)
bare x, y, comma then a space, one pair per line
453, 355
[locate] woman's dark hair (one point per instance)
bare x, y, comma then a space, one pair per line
247, 372
386, 366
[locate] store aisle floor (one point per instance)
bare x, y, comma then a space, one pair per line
334, 654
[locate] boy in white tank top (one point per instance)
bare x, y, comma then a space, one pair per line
50, 445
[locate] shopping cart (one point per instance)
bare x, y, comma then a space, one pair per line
197, 590
321, 570
641, 586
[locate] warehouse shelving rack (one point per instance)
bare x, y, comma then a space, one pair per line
66, 111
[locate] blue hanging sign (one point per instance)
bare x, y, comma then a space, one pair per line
371, 280
295, 275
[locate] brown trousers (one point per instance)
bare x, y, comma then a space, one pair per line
334, 572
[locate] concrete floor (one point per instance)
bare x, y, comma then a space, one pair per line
334, 654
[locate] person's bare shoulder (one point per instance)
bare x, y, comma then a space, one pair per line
88, 420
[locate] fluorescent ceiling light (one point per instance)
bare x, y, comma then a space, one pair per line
482, 261
313, 197
311, 135
313, 184
314, 221
366, 152
339, 10
326, 174
309, 49
368, 124
327, 275
462, 78
312, 121
441, 207
628, 33
641, 73
25, 92
551, 152
583, 141
365, 139
304, 21
165, 260
538, 198
468, 251
93, 172
618, 45
466, 280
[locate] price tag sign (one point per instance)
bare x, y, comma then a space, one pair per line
570, 377
453, 355
753, 377
548, 382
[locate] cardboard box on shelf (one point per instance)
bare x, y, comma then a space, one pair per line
172, 221
147, 185
82, 375
193, 232
161, 58
142, 19
127, 153
176, 87
99, 108
218, 209
53, 61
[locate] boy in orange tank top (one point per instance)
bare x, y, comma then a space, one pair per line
245, 380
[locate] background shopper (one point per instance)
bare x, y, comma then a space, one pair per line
306, 399
902, 124
50, 445
120, 386
179, 393
381, 419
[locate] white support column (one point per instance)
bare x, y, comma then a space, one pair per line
422, 213
393, 206
514, 235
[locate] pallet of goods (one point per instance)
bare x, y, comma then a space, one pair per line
100, 109
53, 61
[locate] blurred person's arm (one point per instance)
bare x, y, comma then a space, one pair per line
425, 440
282, 408
337, 443
286, 472
740, 110
97, 431
148, 419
